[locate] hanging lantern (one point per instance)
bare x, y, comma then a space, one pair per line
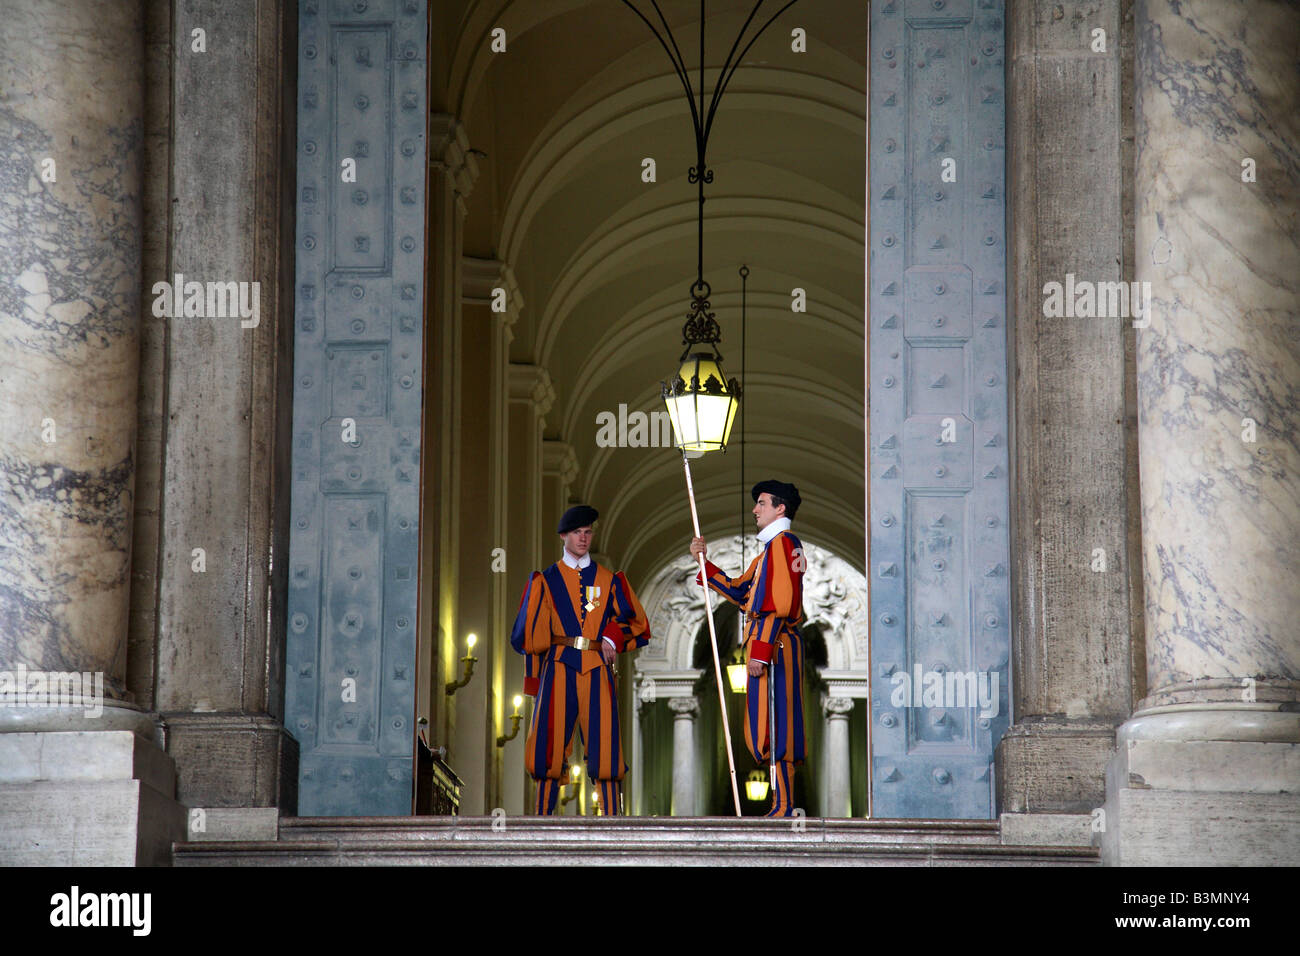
738, 674
756, 786
701, 401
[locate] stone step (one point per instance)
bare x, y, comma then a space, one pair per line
652, 841
747, 830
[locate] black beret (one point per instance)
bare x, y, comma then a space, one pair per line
579, 516
781, 489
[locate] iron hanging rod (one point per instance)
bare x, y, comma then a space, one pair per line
725, 80
678, 65
700, 323
704, 124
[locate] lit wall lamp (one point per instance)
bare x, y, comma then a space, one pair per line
514, 718
575, 776
469, 660
595, 803
738, 672
757, 785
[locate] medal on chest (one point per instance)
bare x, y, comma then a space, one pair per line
592, 594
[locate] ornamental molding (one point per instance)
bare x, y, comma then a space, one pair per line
684, 708
531, 384
449, 152
481, 277
559, 460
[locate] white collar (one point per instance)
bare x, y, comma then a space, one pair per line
581, 562
771, 531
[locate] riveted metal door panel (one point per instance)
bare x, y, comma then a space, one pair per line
350, 656
940, 636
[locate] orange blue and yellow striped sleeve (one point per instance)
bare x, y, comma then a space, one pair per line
735, 590
778, 597
531, 634
627, 627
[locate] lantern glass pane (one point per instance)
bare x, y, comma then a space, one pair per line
737, 677
713, 413
681, 412
671, 402
707, 367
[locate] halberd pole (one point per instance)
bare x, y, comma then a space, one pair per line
713, 635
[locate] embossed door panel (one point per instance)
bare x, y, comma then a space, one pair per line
940, 635
353, 559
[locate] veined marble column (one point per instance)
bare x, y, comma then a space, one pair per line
1215, 745
70, 244
72, 745
837, 711
685, 710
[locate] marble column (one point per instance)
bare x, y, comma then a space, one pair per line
559, 472
481, 277
1073, 447
685, 790
73, 746
837, 711
70, 244
453, 172
531, 396
530, 542
216, 409
1208, 767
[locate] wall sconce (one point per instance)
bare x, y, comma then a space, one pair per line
738, 672
514, 718
575, 788
468, 671
757, 785
595, 803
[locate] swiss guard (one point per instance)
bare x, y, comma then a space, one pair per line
770, 592
573, 619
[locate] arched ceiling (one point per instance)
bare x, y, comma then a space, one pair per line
565, 116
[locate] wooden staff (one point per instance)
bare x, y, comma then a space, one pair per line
713, 636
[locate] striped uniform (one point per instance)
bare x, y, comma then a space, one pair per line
572, 686
771, 594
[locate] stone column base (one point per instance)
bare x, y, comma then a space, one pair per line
87, 798
234, 760
1046, 829
222, 824
1204, 802
1053, 765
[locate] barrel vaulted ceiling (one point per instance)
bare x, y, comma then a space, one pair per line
565, 117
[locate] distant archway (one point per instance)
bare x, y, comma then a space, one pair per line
667, 677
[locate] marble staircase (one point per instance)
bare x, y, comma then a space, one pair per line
652, 841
